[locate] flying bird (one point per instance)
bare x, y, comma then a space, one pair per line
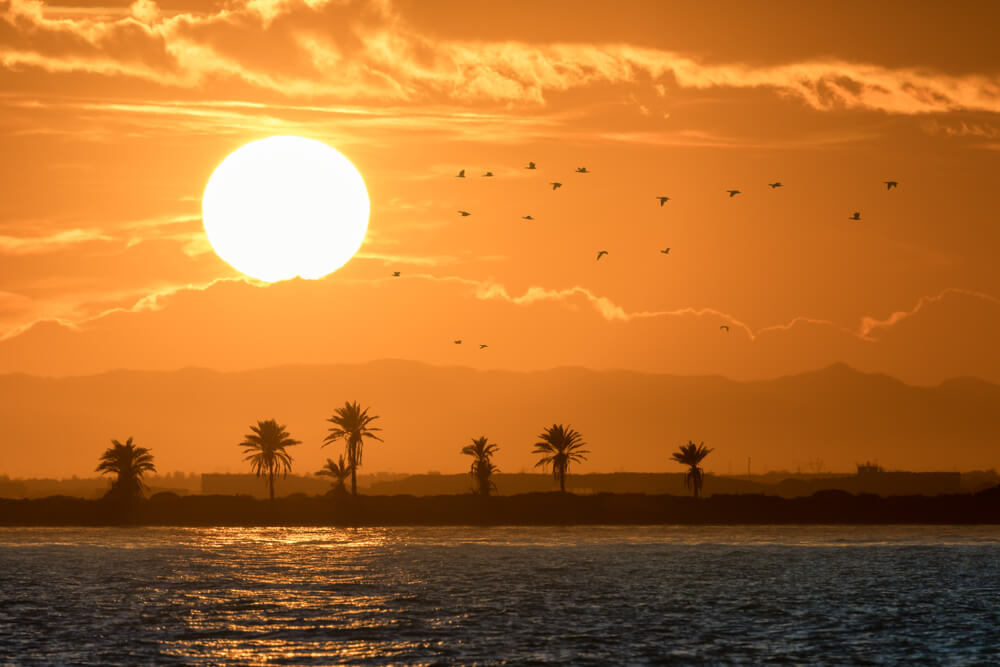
531, 165
776, 184
856, 216
488, 174
526, 217
889, 185
665, 251
395, 274
464, 213
460, 174
733, 193
663, 200
582, 170
724, 327
458, 342
601, 254
555, 185
483, 346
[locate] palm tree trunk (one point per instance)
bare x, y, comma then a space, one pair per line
270, 483
352, 458
562, 480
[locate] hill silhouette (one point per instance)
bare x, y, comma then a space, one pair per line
193, 419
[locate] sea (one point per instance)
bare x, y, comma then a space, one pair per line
839, 595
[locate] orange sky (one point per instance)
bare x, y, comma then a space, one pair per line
112, 119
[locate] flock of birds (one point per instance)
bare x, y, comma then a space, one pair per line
855, 216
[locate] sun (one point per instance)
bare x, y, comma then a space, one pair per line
284, 206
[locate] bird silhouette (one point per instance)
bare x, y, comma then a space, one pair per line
776, 184
464, 213
889, 185
601, 254
665, 251
733, 193
458, 342
488, 174
460, 174
531, 165
582, 170
483, 346
663, 200
724, 327
856, 216
526, 217
555, 185
395, 274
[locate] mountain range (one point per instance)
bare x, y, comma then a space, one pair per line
194, 419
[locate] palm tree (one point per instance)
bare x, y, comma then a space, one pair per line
482, 467
265, 450
352, 424
129, 463
561, 447
691, 455
339, 472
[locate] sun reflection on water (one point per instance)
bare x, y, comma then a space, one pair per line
597, 594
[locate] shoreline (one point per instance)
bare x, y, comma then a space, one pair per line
530, 509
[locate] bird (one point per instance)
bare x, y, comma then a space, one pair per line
733, 193
582, 170
889, 185
460, 174
555, 185
464, 213
531, 165
488, 174
526, 217
601, 254
665, 251
483, 346
395, 274
724, 327
663, 200
458, 342
856, 216
776, 184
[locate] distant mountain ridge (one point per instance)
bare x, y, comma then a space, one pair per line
193, 418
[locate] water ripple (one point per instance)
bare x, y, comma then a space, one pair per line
858, 595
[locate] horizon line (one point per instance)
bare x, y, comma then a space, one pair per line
548, 369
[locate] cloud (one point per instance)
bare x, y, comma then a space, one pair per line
367, 51
239, 323
870, 324
36, 245
12, 303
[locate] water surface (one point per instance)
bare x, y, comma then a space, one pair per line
798, 594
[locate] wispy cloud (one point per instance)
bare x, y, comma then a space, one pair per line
128, 233
36, 245
11, 302
142, 300
870, 324
367, 51
436, 260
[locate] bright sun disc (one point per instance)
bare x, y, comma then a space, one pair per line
284, 206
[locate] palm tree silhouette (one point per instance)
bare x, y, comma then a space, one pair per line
352, 424
482, 467
339, 472
129, 463
561, 447
265, 450
691, 455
